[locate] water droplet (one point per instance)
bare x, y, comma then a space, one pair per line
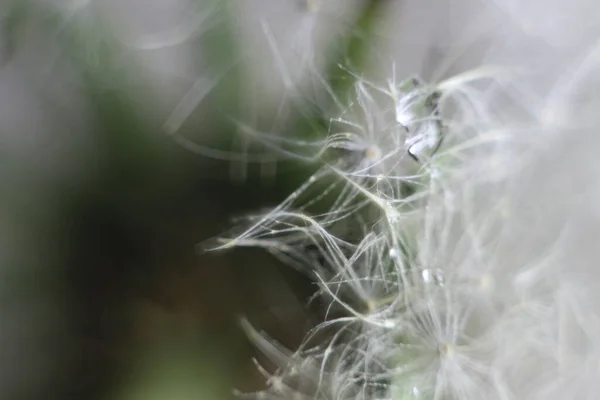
433, 276
392, 214
394, 253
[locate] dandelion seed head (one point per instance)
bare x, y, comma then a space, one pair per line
439, 291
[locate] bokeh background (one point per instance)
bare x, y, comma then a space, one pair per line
121, 150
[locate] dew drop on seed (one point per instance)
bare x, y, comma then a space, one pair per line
392, 214
394, 253
433, 276
403, 116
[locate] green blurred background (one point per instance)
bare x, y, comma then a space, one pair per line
105, 294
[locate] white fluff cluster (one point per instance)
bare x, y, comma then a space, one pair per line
457, 248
